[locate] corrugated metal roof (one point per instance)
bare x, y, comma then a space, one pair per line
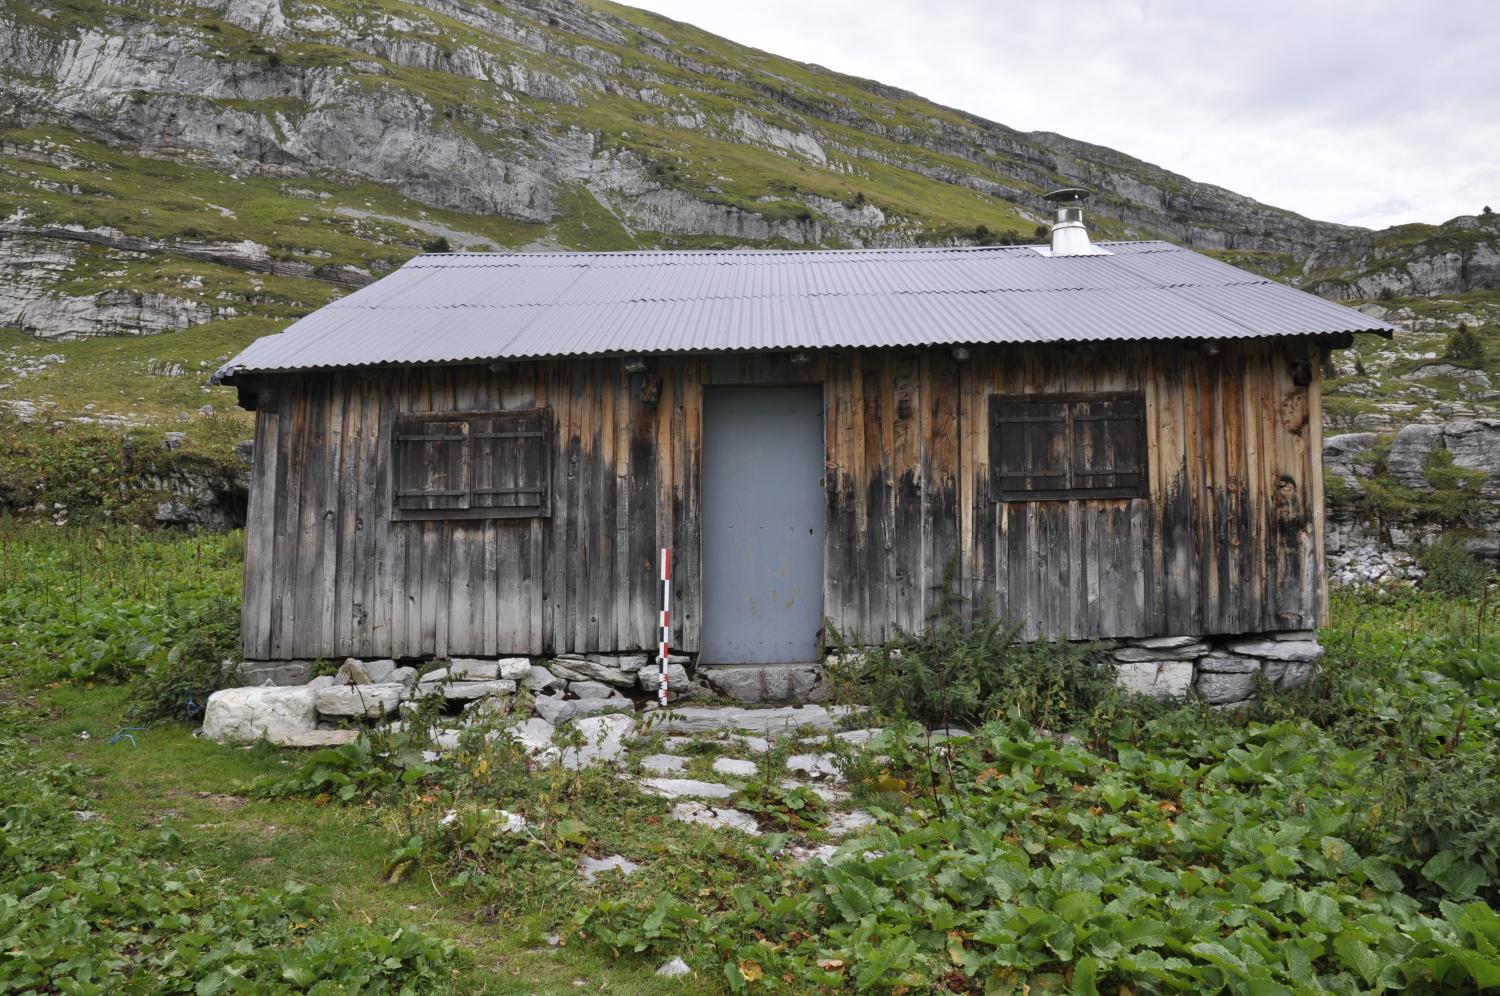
458, 307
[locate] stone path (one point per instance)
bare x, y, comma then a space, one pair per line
706, 784
700, 757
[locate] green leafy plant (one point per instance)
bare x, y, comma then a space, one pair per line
84, 909
370, 767
778, 807
199, 663
114, 602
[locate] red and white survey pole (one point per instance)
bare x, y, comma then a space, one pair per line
664, 644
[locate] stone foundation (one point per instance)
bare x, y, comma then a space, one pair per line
1222, 671
285, 707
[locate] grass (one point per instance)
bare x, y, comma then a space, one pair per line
121, 375
170, 779
1348, 822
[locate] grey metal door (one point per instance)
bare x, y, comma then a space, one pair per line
762, 524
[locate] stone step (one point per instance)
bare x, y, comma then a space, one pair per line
753, 684
779, 721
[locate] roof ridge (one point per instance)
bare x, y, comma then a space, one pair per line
348, 303
1024, 251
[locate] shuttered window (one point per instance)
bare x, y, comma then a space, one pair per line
1050, 446
480, 465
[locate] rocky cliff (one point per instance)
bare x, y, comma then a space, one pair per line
328, 141
180, 176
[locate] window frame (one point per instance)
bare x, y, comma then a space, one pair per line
1070, 400
471, 434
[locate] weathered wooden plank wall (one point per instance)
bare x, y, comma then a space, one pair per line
1228, 540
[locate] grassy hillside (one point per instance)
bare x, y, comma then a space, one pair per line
177, 178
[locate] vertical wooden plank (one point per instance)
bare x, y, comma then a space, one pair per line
878, 497
641, 461
906, 569
292, 456
1031, 565
835, 524
670, 435
1207, 493
334, 443
366, 519
940, 518
1295, 576
983, 523
434, 543
559, 553
595, 556
260, 527
461, 541
623, 608
689, 602
345, 502
1077, 622
1175, 491
409, 592
1253, 600
1319, 564
862, 604
379, 578
532, 545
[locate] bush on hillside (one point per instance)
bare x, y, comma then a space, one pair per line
1464, 346
1450, 569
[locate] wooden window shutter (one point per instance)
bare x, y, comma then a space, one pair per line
512, 465
1109, 446
1028, 446
431, 463
1067, 446
472, 465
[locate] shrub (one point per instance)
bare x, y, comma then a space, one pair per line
962, 670
1464, 346
439, 244
1446, 823
1450, 569
199, 663
1450, 499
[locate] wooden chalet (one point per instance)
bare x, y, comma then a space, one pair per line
481, 454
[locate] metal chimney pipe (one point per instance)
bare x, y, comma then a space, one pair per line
1069, 236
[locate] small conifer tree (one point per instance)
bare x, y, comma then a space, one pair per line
1464, 346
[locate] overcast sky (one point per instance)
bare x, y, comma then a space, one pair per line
1367, 112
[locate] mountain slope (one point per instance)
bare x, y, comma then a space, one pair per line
167, 165
339, 137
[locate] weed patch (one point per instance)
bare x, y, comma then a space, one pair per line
86, 910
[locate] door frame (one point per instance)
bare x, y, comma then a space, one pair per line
711, 384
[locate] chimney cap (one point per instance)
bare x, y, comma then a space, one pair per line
1067, 195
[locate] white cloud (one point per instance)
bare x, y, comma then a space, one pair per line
1368, 113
